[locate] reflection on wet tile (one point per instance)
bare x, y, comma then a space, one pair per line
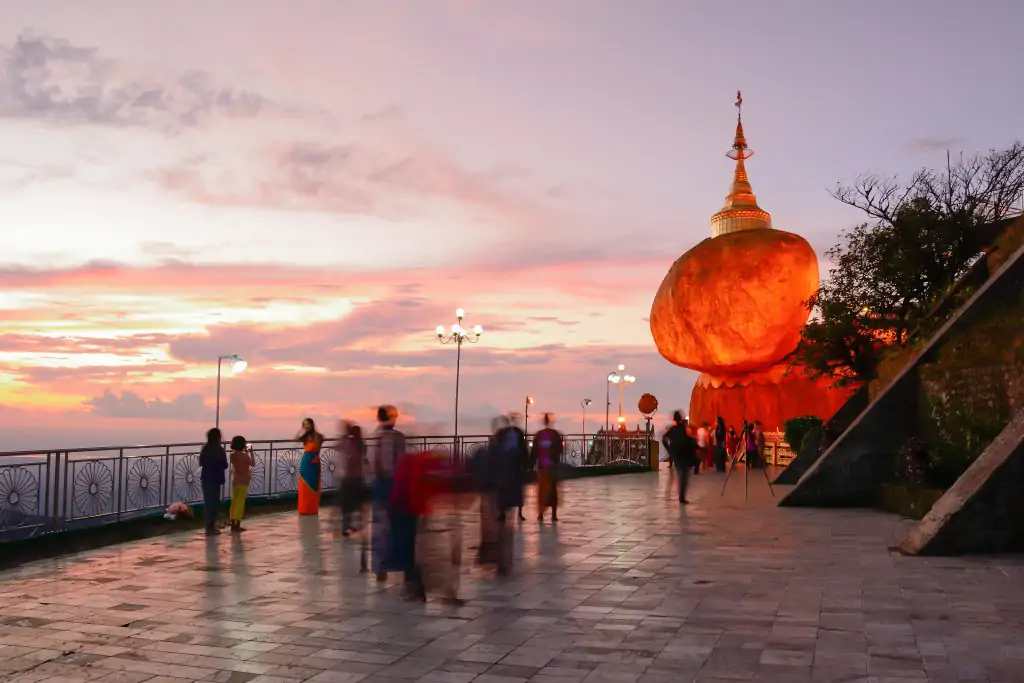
626, 588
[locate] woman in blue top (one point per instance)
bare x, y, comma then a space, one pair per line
213, 460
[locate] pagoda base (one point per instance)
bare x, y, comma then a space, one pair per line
771, 396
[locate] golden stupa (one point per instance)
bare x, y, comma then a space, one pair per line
732, 307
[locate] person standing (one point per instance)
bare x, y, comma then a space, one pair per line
213, 463
309, 468
721, 444
388, 452
547, 456
749, 440
701, 444
682, 449
759, 442
732, 443
242, 463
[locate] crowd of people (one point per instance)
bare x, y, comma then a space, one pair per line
689, 449
405, 508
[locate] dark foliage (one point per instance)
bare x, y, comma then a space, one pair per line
890, 272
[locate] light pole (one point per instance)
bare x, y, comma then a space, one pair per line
458, 336
526, 417
237, 365
583, 404
613, 378
624, 379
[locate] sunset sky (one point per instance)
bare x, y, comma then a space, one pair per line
315, 185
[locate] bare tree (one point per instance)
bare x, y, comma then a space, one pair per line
890, 272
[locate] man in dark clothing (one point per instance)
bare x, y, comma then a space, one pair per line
507, 458
524, 448
213, 463
682, 449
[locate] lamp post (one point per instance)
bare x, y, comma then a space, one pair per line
237, 365
623, 380
583, 404
458, 336
526, 417
613, 378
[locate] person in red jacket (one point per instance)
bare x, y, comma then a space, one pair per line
427, 535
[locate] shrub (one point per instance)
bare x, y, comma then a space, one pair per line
797, 427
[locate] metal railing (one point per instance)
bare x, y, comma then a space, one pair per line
63, 489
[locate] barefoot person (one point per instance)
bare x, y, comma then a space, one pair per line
242, 462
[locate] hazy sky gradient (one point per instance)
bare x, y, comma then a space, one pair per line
316, 185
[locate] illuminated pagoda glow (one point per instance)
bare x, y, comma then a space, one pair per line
732, 308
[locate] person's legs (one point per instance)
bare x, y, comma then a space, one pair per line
554, 497
238, 495
684, 483
211, 500
504, 545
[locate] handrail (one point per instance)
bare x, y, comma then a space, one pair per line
48, 491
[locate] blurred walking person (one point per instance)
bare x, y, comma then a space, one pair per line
546, 454
388, 452
513, 419
309, 468
508, 463
482, 470
427, 540
682, 449
213, 461
242, 462
353, 486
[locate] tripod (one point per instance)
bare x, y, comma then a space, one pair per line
746, 474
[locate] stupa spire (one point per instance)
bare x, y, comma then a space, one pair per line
740, 211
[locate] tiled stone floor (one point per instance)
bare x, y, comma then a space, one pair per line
627, 588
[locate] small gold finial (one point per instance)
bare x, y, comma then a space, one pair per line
740, 211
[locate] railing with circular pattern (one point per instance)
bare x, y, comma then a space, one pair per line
48, 491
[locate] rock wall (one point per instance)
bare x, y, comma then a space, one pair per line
975, 359
984, 510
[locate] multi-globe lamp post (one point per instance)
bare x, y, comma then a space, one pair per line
238, 365
619, 378
459, 335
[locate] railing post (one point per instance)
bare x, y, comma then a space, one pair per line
64, 492
269, 473
53, 479
120, 483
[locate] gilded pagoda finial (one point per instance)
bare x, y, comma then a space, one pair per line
741, 211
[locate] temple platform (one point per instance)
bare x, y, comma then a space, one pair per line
628, 587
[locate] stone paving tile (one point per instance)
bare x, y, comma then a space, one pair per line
627, 588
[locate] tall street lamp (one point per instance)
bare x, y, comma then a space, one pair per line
623, 380
613, 378
526, 417
583, 404
237, 365
459, 335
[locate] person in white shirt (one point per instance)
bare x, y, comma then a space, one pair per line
702, 446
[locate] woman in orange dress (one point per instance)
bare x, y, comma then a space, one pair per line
309, 468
